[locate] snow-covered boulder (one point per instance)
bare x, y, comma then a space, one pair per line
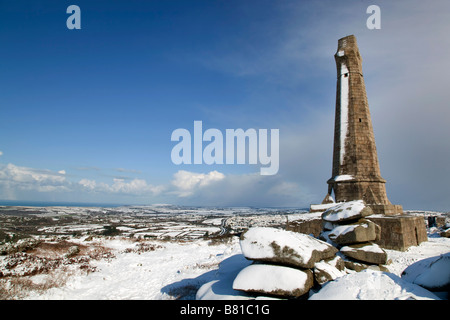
432, 273
284, 247
361, 231
372, 285
347, 211
274, 280
366, 252
327, 270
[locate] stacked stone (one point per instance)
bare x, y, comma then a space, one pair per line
289, 264
286, 264
347, 229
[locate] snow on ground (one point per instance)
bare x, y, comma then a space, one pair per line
174, 270
433, 247
377, 285
178, 269
431, 273
366, 285
372, 285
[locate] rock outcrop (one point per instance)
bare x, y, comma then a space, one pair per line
346, 212
367, 252
361, 231
346, 227
286, 264
284, 247
327, 270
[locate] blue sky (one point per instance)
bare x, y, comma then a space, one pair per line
86, 115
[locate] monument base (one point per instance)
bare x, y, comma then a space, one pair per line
384, 209
400, 232
387, 209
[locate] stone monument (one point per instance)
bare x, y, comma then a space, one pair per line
356, 172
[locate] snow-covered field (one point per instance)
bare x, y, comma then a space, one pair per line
173, 270
126, 266
177, 269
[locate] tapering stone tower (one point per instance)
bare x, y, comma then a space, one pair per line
356, 172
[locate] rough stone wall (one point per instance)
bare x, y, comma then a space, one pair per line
387, 209
400, 232
371, 192
313, 227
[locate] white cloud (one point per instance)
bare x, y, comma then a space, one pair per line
188, 182
1, 153
120, 186
88, 184
212, 188
217, 189
136, 186
17, 180
18, 174
13, 178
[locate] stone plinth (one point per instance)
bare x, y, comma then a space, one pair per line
400, 232
313, 227
387, 209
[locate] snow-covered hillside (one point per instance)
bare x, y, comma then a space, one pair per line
127, 267
177, 270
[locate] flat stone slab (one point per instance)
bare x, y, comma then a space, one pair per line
347, 211
274, 280
366, 252
284, 247
362, 231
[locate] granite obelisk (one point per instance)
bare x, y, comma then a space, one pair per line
356, 172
